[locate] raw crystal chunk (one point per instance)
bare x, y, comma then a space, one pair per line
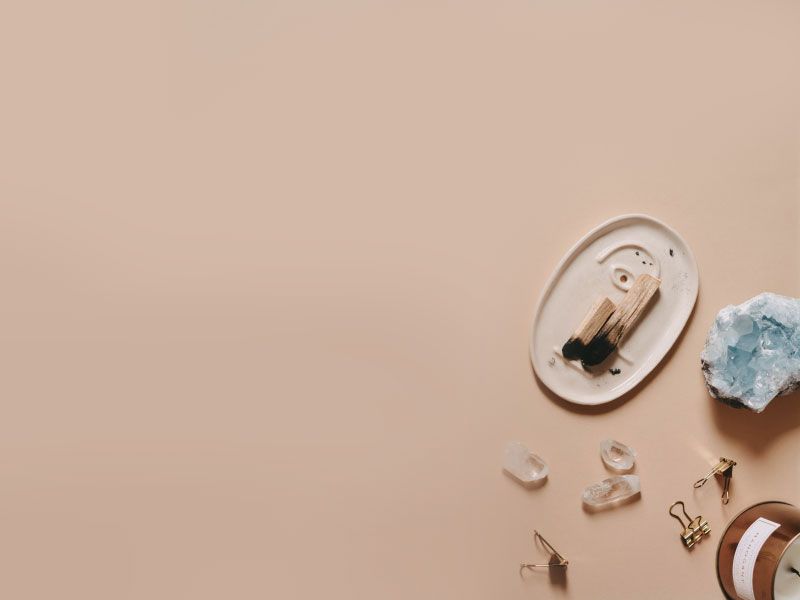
752, 351
611, 491
524, 465
617, 455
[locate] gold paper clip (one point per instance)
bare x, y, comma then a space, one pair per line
725, 468
556, 560
693, 529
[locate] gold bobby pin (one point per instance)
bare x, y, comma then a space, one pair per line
556, 560
694, 529
725, 468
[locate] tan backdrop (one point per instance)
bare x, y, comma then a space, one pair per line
268, 271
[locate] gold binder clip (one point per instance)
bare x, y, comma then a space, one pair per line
694, 529
556, 560
725, 468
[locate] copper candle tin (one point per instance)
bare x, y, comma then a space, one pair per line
769, 529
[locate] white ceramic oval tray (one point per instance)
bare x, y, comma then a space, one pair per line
605, 262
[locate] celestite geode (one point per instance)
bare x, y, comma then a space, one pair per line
752, 351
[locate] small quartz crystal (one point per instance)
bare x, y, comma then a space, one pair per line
617, 455
611, 491
524, 465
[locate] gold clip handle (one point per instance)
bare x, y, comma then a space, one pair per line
556, 560
561, 561
674, 516
725, 468
726, 493
694, 529
547, 566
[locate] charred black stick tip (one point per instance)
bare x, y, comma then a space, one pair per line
597, 351
573, 349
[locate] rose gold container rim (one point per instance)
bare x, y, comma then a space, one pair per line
722, 537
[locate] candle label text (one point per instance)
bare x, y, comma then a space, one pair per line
744, 559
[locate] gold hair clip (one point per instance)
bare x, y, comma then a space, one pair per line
694, 529
725, 468
556, 560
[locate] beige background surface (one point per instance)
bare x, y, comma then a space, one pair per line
268, 270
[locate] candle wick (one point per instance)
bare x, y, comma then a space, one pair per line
795, 571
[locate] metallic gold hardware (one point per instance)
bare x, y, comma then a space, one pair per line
556, 560
725, 468
694, 529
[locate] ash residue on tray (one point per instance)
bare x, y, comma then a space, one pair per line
614, 371
671, 253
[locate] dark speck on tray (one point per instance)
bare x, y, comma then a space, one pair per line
614, 371
671, 253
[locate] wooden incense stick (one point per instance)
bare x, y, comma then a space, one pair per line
621, 321
598, 314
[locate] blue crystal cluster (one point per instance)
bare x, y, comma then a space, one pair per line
752, 352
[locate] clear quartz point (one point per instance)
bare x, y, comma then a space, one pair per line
611, 491
617, 455
522, 464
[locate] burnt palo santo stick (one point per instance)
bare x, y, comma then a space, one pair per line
589, 327
622, 320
